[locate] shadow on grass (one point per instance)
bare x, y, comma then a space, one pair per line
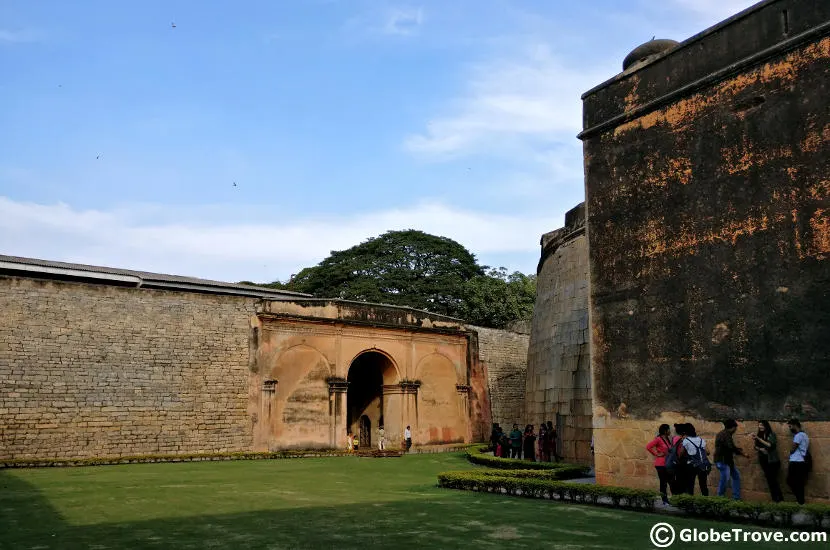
443, 519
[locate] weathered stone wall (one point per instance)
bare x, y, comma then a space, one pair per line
99, 370
710, 236
558, 362
93, 370
504, 355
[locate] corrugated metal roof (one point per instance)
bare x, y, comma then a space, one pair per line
147, 278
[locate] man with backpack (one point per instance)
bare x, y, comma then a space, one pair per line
697, 461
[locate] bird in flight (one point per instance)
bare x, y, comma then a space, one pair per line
173, 25
97, 156
234, 184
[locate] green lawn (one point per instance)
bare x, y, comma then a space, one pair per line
300, 503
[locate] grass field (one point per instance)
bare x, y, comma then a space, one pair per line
301, 503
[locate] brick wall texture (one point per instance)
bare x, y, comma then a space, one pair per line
504, 355
558, 371
93, 370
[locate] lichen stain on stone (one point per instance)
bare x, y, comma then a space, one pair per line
816, 140
655, 241
720, 333
632, 99
685, 110
820, 228
677, 169
820, 190
745, 156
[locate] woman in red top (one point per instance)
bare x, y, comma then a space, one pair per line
659, 447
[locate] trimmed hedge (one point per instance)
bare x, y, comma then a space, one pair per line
193, 457
476, 456
560, 474
761, 513
534, 487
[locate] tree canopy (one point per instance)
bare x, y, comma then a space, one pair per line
412, 268
497, 299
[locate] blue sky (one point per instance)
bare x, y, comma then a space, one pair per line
122, 136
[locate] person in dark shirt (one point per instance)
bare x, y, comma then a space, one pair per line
494, 436
529, 443
725, 451
516, 442
766, 444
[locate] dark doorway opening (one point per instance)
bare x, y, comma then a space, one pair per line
367, 375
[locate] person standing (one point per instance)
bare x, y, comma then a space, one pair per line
697, 461
516, 442
543, 443
350, 441
494, 436
766, 444
659, 447
676, 462
554, 451
725, 451
356, 442
530, 443
799, 466
407, 437
381, 439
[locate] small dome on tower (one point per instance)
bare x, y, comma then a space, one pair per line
648, 50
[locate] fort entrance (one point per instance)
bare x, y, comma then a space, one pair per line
322, 369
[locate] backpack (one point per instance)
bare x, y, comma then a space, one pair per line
672, 459
700, 461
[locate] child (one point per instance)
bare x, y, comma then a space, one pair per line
356, 442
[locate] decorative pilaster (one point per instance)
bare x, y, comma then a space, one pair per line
337, 411
409, 409
464, 408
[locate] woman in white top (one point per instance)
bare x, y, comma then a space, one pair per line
697, 464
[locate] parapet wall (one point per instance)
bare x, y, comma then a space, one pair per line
503, 355
558, 365
102, 371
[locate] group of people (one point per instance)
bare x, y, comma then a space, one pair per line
353, 440
528, 444
683, 460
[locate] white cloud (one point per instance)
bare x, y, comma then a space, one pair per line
255, 250
385, 21
530, 102
403, 21
21, 36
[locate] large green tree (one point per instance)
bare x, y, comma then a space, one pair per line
408, 268
496, 299
415, 269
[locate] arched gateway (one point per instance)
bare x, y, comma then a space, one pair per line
321, 372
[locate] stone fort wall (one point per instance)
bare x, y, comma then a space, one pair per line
558, 369
707, 200
95, 370
504, 356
